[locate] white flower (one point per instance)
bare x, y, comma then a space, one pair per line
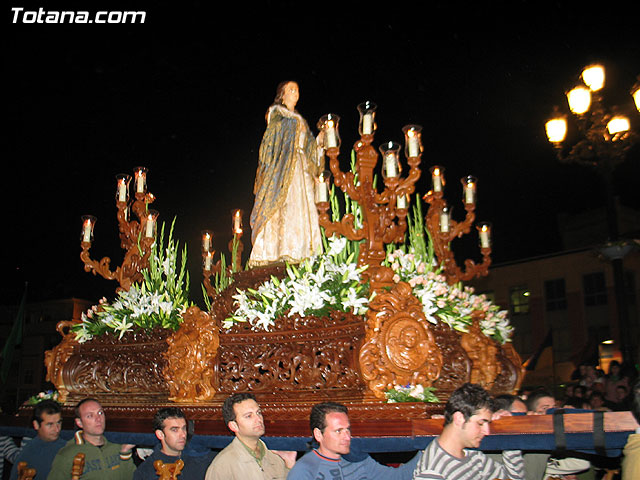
336, 245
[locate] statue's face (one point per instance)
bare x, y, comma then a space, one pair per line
409, 337
291, 95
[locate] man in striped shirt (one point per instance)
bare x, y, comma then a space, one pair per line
467, 417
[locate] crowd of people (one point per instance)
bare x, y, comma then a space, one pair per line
453, 455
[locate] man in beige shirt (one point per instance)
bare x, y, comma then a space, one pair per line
247, 456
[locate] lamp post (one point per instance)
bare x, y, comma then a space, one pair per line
604, 136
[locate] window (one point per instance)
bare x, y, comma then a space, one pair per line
555, 294
519, 299
595, 290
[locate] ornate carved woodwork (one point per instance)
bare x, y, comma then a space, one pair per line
24, 472
191, 358
382, 221
77, 467
300, 361
483, 353
168, 471
442, 240
137, 246
400, 348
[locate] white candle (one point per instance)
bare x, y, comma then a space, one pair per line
122, 190
367, 124
237, 220
391, 165
401, 201
437, 180
139, 182
331, 136
86, 235
444, 221
469, 192
206, 242
207, 261
150, 225
484, 237
414, 145
321, 190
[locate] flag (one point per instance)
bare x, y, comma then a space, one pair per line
15, 338
531, 362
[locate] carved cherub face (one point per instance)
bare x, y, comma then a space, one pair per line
409, 337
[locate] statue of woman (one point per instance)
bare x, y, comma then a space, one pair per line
284, 220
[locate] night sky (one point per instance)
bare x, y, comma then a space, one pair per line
185, 96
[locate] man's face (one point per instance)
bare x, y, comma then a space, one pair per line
335, 439
173, 436
92, 420
49, 428
249, 422
476, 428
544, 404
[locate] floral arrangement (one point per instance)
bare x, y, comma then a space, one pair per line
330, 281
158, 301
48, 395
411, 393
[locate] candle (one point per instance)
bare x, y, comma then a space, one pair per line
367, 124
122, 190
86, 231
206, 242
391, 165
401, 201
330, 132
485, 232
237, 222
436, 178
141, 178
207, 261
444, 220
321, 190
414, 144
469, 185
150, 225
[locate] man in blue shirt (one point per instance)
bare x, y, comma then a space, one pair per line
331, 429
41, 450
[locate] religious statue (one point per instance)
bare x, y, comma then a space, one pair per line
284, 220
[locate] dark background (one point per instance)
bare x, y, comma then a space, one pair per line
185, 95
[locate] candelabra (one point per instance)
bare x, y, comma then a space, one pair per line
383, 213
136, 236
602, 140
443, 229
220, 268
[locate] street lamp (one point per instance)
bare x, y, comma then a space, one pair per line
604, 136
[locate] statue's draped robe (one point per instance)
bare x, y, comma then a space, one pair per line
284, 220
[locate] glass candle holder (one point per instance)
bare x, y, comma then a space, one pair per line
412, 140
391, 167
207, 261
88, 222
469, 189
207, 241
328, 125
323, 186
236, 221
484, 234
150, 224
140, 176
437, 178
122, 187
367, 123
445, 219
